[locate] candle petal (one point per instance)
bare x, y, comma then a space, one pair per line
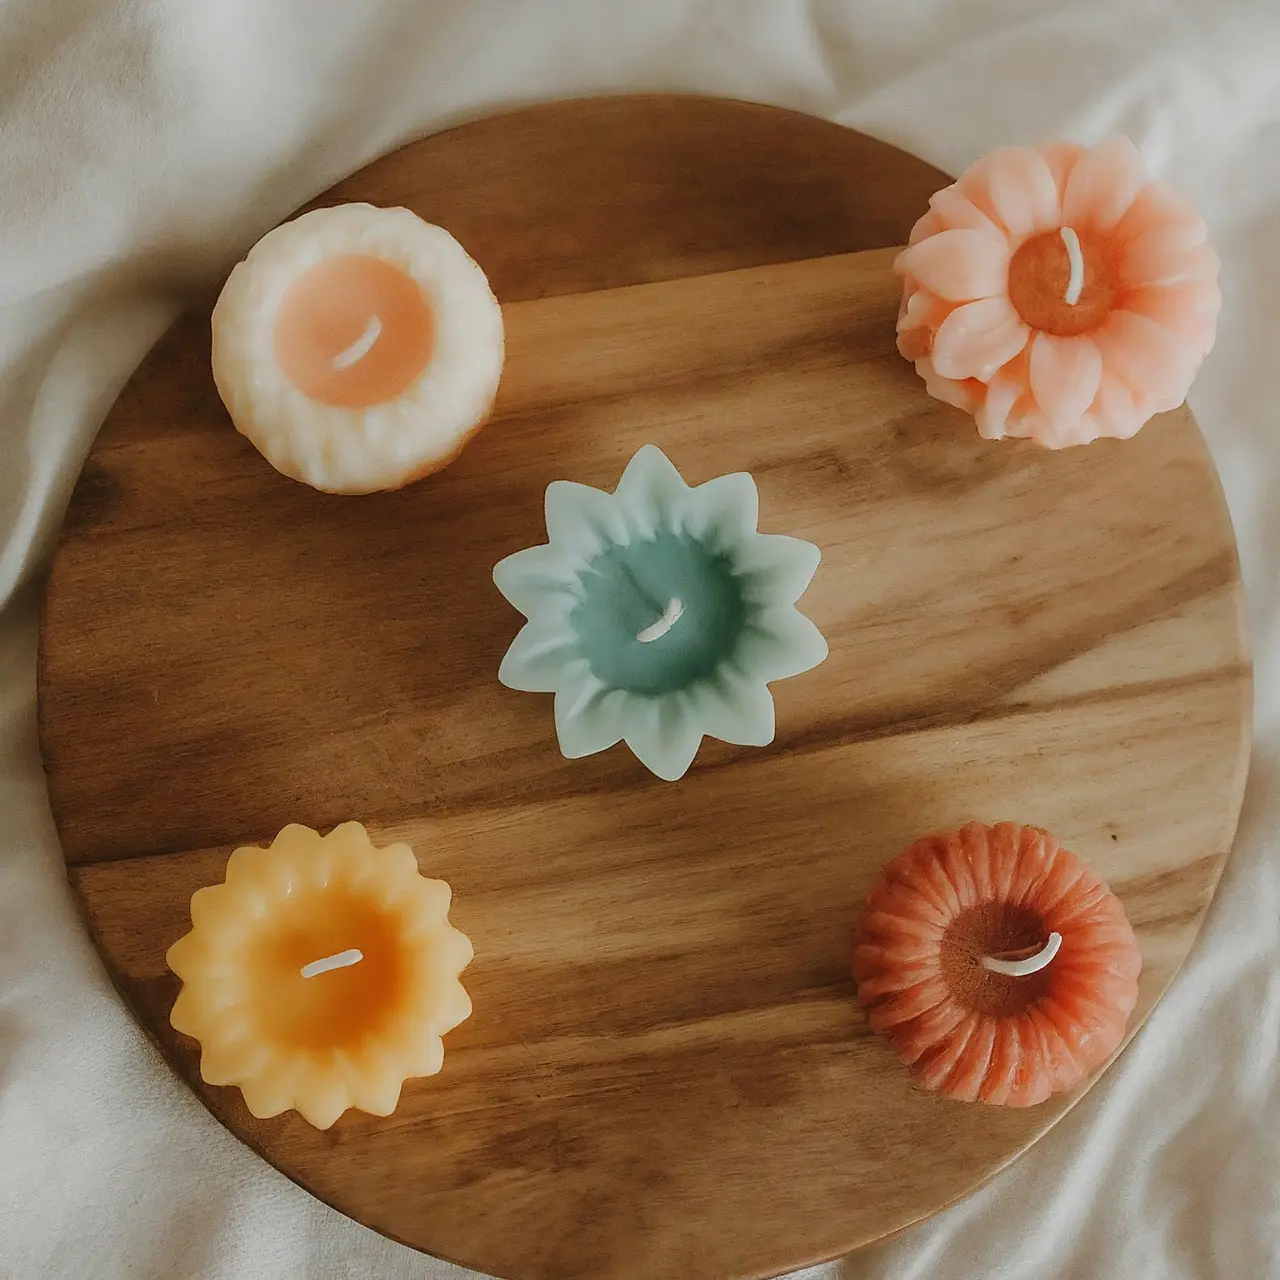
1188, 311
271, 1091
913, 1039
1002, 1071
964, 394
914, 901
965, 1078
541, 579
780, 643
1003, 392
377, 1093
927, 224
588, 716
904, 1005
725, 511
1062, 158
975, 340
538, 657
958, 265
923, 869
652, 493
735, 710
954, 209
888, 925
1065, 374
777, 569
1162, 212
1145, 354
1031, 1084
1102, 186
1158, 259
582, 517
662, 739
231, 1060
1117, 406
323, 1100
936, 1066
1016, 187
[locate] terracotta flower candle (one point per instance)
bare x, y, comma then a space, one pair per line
999, 967
357, 348
658, 614
320, 975
1058, 293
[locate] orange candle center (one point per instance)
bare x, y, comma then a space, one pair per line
343, 1005
353, 331
1040, 275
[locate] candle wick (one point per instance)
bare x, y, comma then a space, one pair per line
670, 616
360, 347
1075, 284
1028, 965
339, 961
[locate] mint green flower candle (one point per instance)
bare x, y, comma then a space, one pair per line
657, 614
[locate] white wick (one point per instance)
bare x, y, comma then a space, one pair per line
1075, 284
670, 616
360, 347
1032, 964
340, 961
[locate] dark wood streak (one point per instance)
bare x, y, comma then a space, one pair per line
666, 1073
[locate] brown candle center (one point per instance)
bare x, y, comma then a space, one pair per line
1039, 276
1002, 931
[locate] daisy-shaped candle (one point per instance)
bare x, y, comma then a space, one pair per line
657, 614
999, 967
320, 975
1058, 293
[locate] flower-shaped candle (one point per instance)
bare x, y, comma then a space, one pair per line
658, 614
358, 348
1058, 293
320, 975
997, 964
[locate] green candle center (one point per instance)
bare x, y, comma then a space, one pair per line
627, 589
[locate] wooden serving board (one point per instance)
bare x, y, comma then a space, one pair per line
667, 1073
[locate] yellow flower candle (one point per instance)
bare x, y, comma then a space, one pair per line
321, 974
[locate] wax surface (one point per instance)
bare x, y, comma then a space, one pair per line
341, 1006
328, 309
626, 588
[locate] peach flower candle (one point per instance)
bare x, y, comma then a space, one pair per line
999, 967
357, 348
320, 975
1059, 294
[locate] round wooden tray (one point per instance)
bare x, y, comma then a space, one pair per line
667, 1073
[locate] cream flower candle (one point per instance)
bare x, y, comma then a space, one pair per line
357, 348
1058, 293
320, 975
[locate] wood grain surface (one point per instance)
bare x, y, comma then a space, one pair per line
667, 1073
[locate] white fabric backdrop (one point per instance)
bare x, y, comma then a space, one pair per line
145, 143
